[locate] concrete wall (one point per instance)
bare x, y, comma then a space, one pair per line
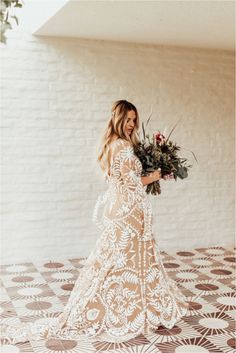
56, 100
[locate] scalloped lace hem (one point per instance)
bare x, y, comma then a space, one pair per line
25, 332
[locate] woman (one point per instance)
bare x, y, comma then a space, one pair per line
123, 289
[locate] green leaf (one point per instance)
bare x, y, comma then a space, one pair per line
143, 131
191, 152
3, 38
173, 129
148, 119
15, 18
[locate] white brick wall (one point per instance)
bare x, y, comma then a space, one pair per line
56, 99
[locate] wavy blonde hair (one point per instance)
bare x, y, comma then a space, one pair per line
115, 126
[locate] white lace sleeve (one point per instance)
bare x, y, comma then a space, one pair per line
130, 169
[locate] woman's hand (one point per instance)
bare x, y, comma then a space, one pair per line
150, 178
156, 175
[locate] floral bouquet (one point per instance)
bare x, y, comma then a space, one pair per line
160, 152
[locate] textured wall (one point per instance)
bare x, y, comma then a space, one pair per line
57, 95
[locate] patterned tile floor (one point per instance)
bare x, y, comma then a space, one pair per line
205, 275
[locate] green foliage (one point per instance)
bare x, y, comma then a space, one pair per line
5, 8
154, 154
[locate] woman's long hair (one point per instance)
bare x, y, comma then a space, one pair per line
115, 126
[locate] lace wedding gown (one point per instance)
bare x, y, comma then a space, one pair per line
123, 289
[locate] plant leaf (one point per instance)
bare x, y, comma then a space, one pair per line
148, 119
16, 19
173, 129
143, 131
192, 153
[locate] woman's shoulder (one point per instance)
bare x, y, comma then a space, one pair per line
121, 143
123, 148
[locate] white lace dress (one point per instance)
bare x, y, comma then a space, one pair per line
123, 289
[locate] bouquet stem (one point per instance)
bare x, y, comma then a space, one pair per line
154, 188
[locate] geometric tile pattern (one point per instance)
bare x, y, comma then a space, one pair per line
206, 276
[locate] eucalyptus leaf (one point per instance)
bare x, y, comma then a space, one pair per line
5, 7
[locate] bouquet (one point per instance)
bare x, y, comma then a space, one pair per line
160, 152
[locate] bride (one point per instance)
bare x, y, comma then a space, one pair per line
123, 289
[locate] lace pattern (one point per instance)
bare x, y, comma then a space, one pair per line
123, 289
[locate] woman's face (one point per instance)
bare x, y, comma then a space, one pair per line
131, 121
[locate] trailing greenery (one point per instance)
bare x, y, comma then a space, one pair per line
6, 7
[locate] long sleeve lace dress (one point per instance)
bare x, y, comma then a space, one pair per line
123, 289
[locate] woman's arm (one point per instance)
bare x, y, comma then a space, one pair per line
148, 179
